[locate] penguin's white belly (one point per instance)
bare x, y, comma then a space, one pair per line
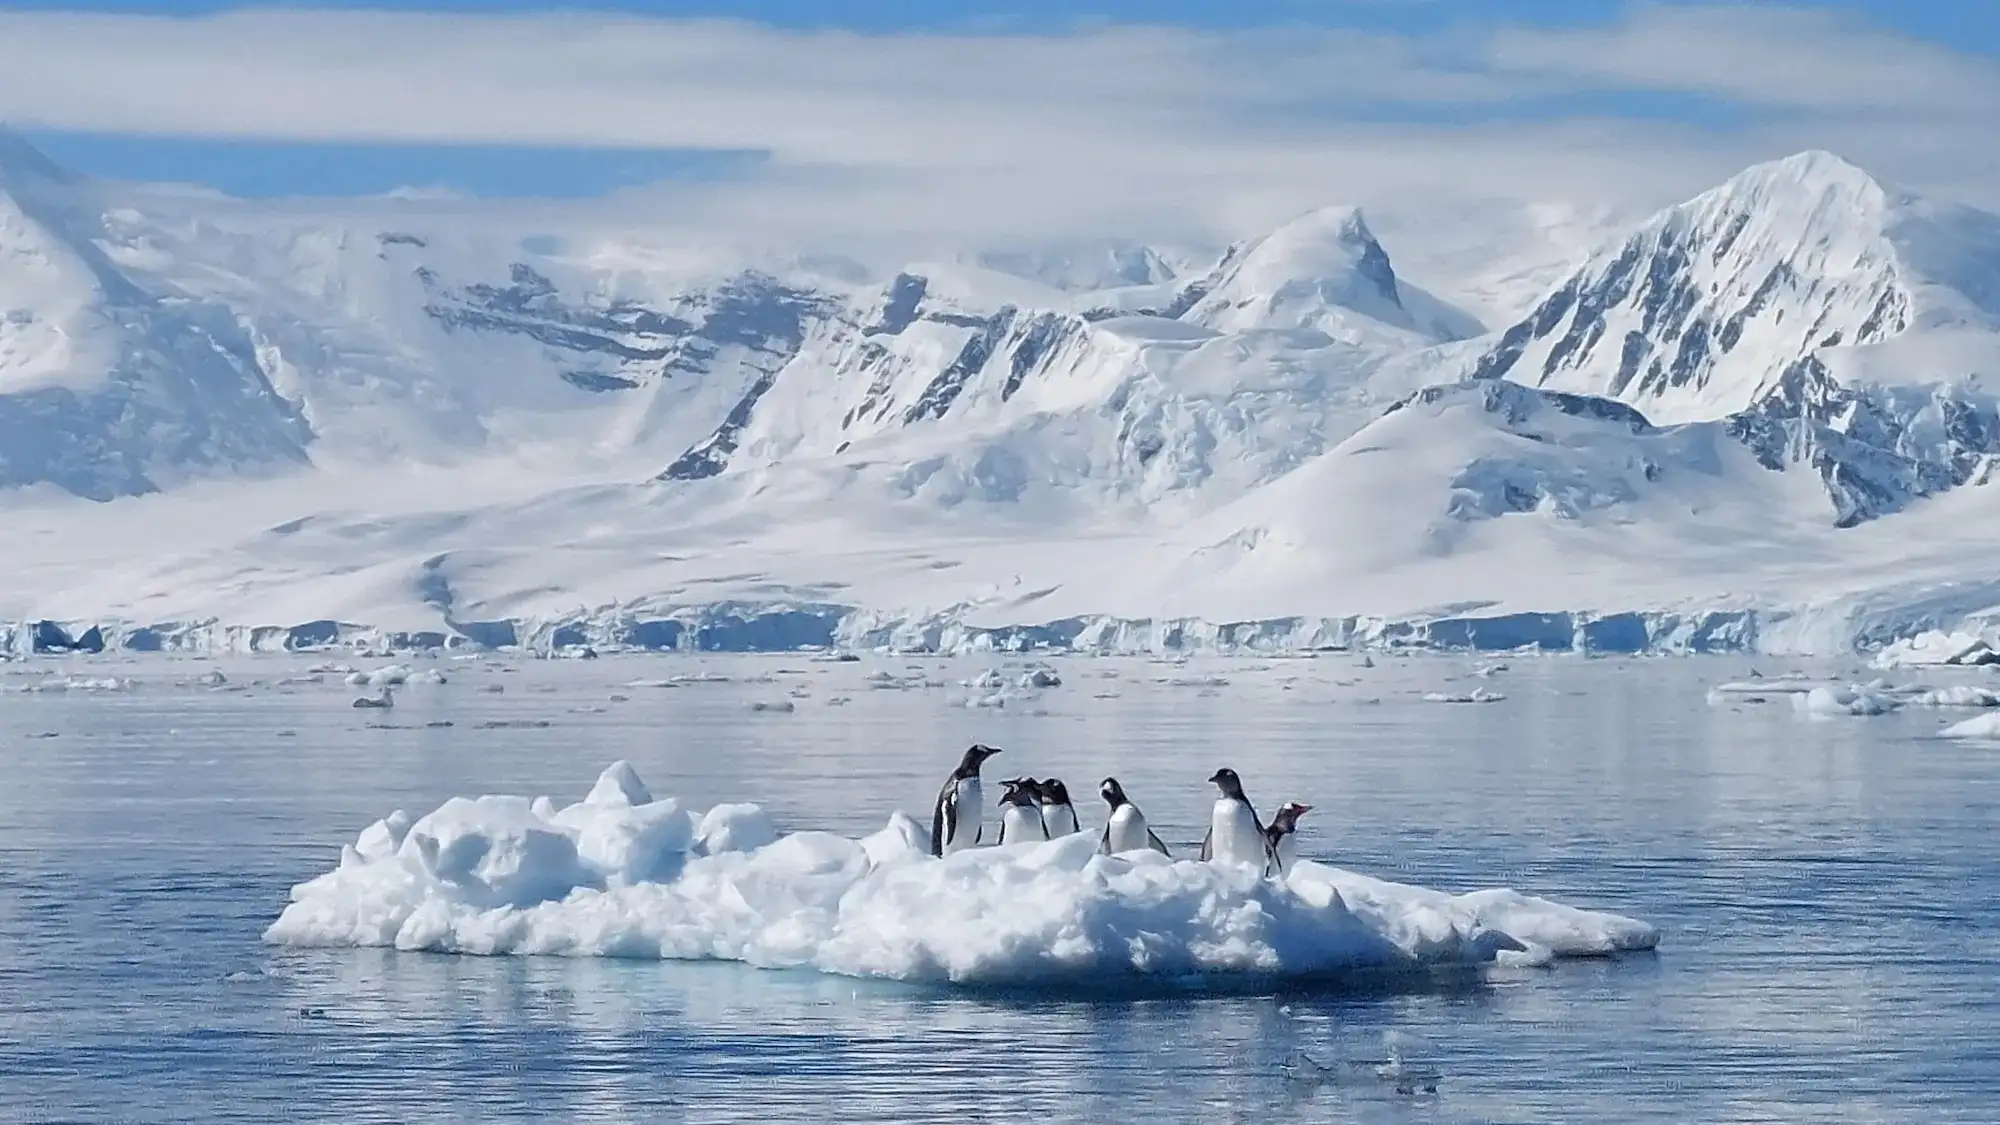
1288, 850
970, 811
1127, 831
1234, 836
1020, 824
1059, 820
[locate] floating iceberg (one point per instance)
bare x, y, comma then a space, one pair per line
1982, 727
1847, 699
623, 875
1934, 648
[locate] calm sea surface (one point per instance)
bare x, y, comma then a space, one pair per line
1829, 893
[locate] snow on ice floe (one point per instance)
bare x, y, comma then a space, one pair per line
622, 874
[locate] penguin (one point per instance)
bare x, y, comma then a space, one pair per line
956, 820
1125, 830
1058, 815
1020, 819
1282, 833
1235, 835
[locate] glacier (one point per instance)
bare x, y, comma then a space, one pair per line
1762, 419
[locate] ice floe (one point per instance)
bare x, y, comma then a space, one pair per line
1845, 699
1833, 697
1983, 727
622, 874
1934, 648
394, 675
58, 685
1477, 695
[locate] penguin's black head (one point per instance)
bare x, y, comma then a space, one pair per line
975, 757
1226, 780
1017, 791
1286, 819
1054, 792
1112, 792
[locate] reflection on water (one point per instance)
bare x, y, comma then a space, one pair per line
1826, 890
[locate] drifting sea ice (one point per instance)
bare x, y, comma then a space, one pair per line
1477, 695
1983, 727
1934, 648
1832, 698
1846, 699
623, 875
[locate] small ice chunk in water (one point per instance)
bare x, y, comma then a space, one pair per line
1956, 695
1983, 727
1846, 699
780, 706
1477, 695
389, 675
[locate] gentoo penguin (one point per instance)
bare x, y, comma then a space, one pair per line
956, 819
1126, 829
1020, 818
1234, 833
1058, 815
1282, 832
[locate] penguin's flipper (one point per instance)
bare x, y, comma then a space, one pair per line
1207, 844
1155, 843
1104, 840
947, 809
1272, 864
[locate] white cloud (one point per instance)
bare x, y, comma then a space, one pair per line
1766, 56
1134, 129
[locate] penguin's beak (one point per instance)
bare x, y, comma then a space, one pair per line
1215, 778
1303, 809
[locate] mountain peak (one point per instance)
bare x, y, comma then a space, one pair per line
1814, 176
20, 161
1695, 313
1313, 272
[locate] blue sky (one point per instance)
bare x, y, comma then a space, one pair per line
1253, 104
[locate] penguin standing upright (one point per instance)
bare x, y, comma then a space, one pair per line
957, 818
1058, 815
1283, 834
1234, 833
1020, 818
1125, 830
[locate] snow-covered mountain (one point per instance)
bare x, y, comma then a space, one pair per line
431, 419
107, 388
1747, 302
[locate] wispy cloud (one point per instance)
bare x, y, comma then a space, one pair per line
1118, 124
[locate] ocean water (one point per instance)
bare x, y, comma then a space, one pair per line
1827, 889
